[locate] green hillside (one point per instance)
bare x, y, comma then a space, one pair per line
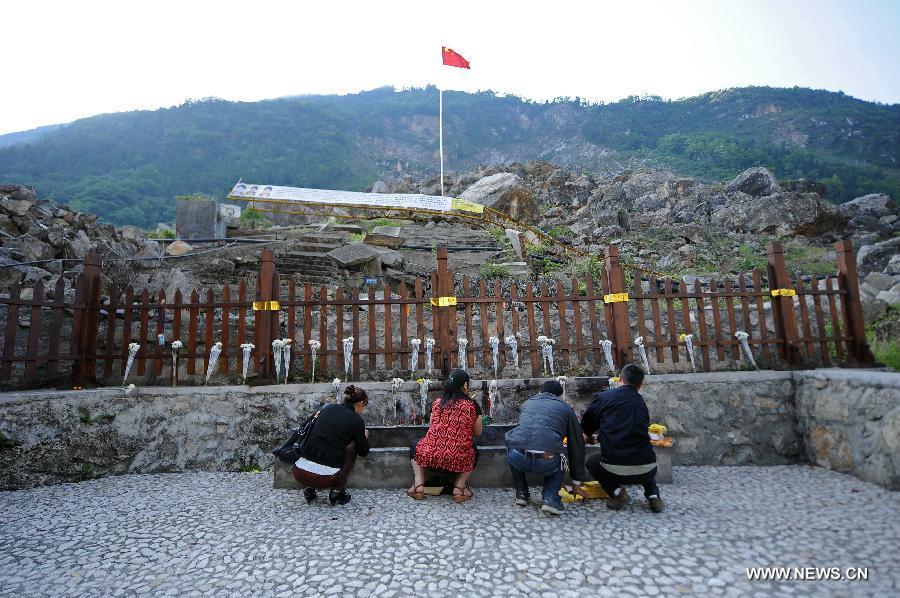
127, 167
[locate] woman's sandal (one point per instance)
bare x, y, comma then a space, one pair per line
462, 496
415, 493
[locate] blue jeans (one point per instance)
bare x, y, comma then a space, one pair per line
521, 462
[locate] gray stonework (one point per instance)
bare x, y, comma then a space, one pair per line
851, 423
728, 418
738, 418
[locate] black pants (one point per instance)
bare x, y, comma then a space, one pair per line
610, 481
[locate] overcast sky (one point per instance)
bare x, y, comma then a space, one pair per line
69, 59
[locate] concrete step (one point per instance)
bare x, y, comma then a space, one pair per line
313, 246
404, 436
389, 467
302, 255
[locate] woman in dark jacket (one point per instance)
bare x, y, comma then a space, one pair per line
448, 446
337, 437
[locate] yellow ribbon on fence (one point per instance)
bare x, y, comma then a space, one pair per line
783, 292
443, 301
615, 298
266, 306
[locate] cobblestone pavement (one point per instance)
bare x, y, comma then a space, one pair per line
231, 534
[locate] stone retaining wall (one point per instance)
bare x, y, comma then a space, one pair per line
728, 418
724, 418
850, 422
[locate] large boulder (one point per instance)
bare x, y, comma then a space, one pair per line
890, 296
804, 186
148, 255
380, 187
780, 214
8, 226
16, 200
874, 283
507, 193
173, 280
19, 192
561, 187
609, 205
873, 205
133, 234
877, 256
354, 254
178, 248
32, 249
757, 182
80, 244
15, 207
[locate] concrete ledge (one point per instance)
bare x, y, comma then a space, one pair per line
390, 468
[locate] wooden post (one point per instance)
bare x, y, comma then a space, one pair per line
854, 325
620, 331
783, 306
88, 321
266, 320
444, 289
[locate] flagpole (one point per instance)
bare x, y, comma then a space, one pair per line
441, 134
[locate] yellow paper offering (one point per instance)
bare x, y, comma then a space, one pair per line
591, 489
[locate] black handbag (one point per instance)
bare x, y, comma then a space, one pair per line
291, 450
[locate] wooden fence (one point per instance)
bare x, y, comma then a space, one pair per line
84, 341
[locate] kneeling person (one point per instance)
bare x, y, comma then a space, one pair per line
536, 446
620, 419
337, 437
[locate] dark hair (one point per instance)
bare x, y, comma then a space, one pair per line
633, 374
453, 388
553, 387
354, 394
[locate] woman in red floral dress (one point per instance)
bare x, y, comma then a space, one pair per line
448, 445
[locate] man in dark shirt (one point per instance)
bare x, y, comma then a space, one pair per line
620, 419
536, 446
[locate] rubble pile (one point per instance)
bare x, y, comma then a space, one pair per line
680, 225
42, 241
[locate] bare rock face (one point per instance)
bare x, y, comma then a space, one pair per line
757, 182
507, 193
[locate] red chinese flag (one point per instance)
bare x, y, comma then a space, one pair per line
451, 58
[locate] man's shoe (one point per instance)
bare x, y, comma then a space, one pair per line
338, 497
309, 494
617, 502
522, 499
552, 509
656, 504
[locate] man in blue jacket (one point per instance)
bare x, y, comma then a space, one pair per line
536, 446
620, 419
